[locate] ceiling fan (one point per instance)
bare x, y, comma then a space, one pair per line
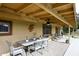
49, 22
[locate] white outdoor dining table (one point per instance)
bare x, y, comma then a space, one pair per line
28, 43
32, 42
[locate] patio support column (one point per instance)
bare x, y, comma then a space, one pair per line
61, 30
69, 35
73, 31
68, 40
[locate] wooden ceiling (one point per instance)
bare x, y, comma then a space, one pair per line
58, 13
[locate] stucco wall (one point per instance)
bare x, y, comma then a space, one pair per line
20, 31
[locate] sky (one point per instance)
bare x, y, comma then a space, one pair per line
77, 8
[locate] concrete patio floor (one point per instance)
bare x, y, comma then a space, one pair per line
73, 49
53, 49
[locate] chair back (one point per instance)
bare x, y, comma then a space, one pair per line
10, 46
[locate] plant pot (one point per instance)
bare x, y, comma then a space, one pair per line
67, 41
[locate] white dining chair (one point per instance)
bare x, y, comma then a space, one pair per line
15, 51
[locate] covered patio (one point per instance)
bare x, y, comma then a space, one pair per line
39, 26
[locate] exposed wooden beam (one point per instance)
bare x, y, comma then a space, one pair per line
53, 13
74, 9
69, 16
44, 16
24, 8
65, 10
3, 9
58, 25
63, 7
58, 4
38, 13
71, 21
47, 16
14, 17
65, 13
